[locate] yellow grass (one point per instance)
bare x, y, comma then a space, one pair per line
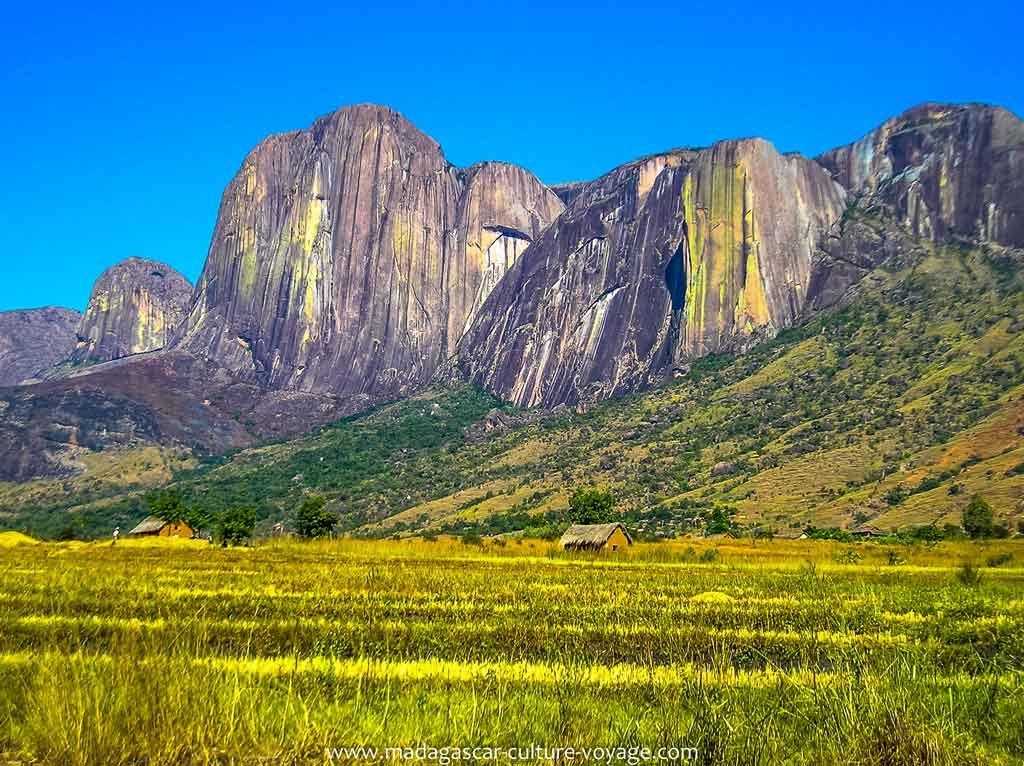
10, 539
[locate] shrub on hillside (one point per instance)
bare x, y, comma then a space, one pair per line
978, 519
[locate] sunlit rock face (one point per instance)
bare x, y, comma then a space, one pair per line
942, 171
34, 340
502, 209
660, 261
348, 257
135, 306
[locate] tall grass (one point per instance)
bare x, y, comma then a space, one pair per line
181, 655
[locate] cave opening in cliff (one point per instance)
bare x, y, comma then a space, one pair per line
675, 277
675, 283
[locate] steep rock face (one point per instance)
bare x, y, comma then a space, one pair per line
567, 192
942, 171
134, 308
502, 209
662, 260
34, 340
347, 258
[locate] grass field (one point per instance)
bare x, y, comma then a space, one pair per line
774, 652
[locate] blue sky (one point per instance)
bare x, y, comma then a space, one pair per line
122, 124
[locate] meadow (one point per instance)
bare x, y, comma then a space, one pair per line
752, 652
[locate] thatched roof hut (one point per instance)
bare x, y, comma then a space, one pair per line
790, 534
596, 537
153, 526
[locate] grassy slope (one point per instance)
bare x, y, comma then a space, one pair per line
919, 380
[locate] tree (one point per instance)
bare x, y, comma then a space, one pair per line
313, 519
591, 506
930, 533
167, 504
235, 525
978, 519
718, 522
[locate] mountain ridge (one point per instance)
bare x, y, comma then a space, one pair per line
761, 242
680, 234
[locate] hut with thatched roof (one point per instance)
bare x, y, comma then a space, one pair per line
596, 537
153, 526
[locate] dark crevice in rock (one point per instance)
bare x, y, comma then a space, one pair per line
507, 231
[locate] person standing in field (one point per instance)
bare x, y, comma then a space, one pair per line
117, 534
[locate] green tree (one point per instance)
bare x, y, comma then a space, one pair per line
313, 519
167, 504
591, 505
236, 524
718, 522
978, 520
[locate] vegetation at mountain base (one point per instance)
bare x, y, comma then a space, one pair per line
174, 651
893, 410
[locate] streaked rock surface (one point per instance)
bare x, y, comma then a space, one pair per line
502, 209
134, 308
348, 257
942, 171
662, 260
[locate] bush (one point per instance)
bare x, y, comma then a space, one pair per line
235, 525
710, 556
896, 495
314, 520
969, 575
999, 560
929, 533
978, 520
591, 506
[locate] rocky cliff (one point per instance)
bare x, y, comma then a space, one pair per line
134, 307
662, 260
942, 171
34, 340
349, 257
502, 209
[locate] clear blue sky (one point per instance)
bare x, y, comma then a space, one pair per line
121, 124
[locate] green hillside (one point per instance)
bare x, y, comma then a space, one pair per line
893, 410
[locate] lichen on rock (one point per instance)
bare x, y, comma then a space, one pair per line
134, 308
661, 260
942, 171
349, 257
